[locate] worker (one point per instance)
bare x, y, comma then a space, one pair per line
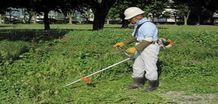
145, 35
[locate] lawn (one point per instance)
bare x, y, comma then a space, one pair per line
36, 64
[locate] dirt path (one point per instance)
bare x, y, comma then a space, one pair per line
183, 98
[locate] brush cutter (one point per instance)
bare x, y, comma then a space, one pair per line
86, 78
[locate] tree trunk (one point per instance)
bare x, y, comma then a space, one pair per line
69, 15
25, 19
24, 16
46, 20
29, 19
99, 18
100, 12
185, 20
124, 22
34, 18
70, 20
212, 21
0, 19
31, 15
108, 21
199, 20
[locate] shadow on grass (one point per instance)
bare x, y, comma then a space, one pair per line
29, 35
159, 67
6, 26
33, 35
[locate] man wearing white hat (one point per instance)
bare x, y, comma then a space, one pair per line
145, 35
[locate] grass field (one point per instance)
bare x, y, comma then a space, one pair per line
36, 64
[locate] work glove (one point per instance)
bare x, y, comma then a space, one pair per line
131, 50
119, 44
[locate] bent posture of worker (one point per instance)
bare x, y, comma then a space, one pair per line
145, 35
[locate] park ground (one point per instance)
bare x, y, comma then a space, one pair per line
36, 64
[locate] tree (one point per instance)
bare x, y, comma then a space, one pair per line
44, 6
117, 11
100, 9
119, 7
182, 10
32, 14
34, 5
3, 7
155, 7
200, 10
212, 7
68, 7
166, 14
149, 6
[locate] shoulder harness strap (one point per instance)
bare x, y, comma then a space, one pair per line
137, 28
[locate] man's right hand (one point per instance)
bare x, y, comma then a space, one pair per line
119, 44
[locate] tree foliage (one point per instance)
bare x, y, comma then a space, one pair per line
200, 10
155, 7
196, 11
149, 6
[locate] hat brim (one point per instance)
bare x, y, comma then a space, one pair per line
129, 17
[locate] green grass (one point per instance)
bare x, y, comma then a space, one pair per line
52, 26
38, 75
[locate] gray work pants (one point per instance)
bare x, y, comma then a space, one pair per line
147, 62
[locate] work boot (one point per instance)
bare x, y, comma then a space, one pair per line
152, 85
137, 82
